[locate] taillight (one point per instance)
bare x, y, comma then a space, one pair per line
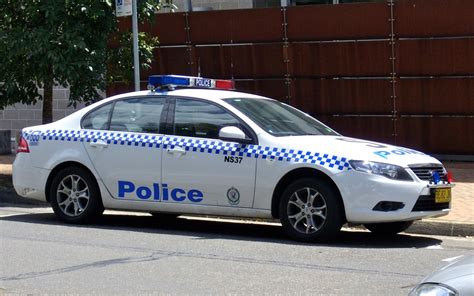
23, 146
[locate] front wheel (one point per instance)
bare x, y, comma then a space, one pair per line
75, 196
310, 210
387, 229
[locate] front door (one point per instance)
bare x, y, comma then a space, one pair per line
198, 167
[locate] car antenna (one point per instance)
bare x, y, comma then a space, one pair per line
199, 67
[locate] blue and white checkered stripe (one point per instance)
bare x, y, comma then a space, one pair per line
121, 138
60, 135
198, 145
204, 146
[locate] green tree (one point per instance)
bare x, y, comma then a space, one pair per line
66, 42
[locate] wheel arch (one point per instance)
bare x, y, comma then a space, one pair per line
298, 174
59, 167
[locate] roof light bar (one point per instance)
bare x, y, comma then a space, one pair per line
157, 81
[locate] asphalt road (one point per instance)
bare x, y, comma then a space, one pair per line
136, 254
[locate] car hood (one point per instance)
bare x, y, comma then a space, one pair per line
458, 274
356, 149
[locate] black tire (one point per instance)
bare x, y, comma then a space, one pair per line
64, 197
305, 223
388, 229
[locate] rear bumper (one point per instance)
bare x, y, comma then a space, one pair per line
361, 192
28, 181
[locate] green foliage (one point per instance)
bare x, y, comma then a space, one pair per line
66, 41
120, 58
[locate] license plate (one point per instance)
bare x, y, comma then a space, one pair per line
442, 195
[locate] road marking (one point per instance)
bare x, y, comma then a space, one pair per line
451, 259
8, 212
229, 220
435, 247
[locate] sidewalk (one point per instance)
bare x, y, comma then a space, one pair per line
459, 222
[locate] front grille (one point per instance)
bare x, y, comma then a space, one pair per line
427, 203
423, 171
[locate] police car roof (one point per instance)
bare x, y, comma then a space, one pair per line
212, 94
207, 94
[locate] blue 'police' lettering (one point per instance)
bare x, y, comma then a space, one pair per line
174, 194
195, 195
143, 192
165, 192
383, 154
127, 189
399, 151
156, 191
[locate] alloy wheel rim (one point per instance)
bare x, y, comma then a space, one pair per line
307, 210
73, 195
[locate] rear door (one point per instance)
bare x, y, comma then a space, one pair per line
123, 141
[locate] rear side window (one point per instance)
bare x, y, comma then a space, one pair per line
141, 115
195, 118
97, 119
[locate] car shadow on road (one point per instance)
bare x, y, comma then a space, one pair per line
205, 229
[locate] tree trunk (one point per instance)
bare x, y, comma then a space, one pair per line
48, 101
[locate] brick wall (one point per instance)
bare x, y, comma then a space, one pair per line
18, 116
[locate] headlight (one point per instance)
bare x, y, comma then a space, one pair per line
390, 171
431, 289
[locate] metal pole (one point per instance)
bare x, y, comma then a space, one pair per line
393, 74
188, 6
136, 62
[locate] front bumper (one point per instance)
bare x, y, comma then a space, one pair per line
361, 192
29, 181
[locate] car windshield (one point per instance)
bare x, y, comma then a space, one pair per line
279, 119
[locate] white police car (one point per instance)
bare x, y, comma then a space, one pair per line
179, 148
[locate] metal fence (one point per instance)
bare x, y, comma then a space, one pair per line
399, 72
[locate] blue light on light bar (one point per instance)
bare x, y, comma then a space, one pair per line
156, 81
160, 80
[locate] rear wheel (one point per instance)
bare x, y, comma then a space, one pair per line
310, 210
75, 196
387, 229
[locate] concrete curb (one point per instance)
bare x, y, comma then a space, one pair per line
442, 227
433, 227
429, 226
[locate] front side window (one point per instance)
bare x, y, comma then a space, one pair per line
97, 119
279, 119
195, 118
140, 115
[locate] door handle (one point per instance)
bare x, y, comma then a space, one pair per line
99, 144
176, 150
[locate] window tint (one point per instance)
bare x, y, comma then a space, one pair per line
200, 119
97, 119
140, 115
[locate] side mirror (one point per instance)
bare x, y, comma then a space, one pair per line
233, 134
